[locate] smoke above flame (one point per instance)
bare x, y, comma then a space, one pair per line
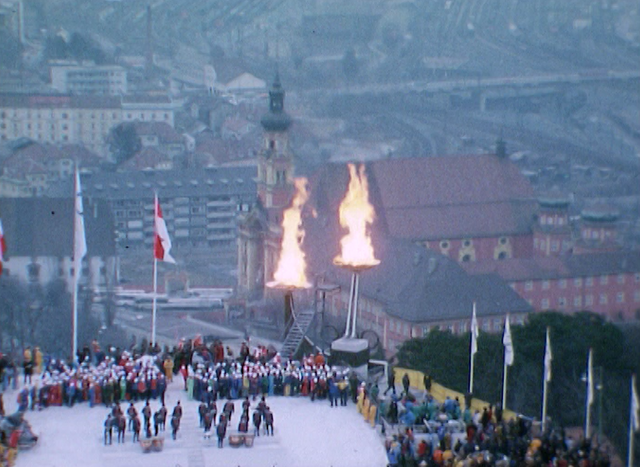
356, 214
291, 269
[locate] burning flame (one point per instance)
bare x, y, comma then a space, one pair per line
355, 214
291, 270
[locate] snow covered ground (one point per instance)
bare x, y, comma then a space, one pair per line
307, 434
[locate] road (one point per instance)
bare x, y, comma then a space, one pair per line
171, 327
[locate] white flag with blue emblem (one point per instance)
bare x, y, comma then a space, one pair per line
79, 239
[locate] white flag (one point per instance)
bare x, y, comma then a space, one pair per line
474, 332
635, 405
548, 357
79, 239
590, 389
508, 344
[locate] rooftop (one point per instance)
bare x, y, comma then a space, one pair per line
425, 198
44, 226
235, 181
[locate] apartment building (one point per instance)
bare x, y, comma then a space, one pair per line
71, 119
199, 205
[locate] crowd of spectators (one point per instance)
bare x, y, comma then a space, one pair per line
428, 433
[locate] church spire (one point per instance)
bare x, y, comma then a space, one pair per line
276, 119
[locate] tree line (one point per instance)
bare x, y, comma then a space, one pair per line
445, 356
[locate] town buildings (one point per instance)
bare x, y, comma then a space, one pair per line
449, 231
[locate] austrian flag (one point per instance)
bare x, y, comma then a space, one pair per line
3, 247
161, 241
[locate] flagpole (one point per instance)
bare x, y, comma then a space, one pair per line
74, 350
632, 427
155, 293
507, 342
471, 374
504, 384
587, 426
545, 385
472, 357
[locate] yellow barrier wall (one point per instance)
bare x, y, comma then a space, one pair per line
440, 393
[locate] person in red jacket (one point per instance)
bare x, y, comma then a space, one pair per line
185, 374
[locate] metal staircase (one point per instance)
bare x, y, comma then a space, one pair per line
297, 332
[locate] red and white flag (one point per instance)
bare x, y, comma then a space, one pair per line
161, 241
3, 247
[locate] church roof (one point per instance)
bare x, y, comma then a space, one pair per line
428, 198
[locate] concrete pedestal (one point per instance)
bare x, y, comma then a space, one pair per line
351, 352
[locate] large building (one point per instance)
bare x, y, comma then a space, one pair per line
199, 205
69, 119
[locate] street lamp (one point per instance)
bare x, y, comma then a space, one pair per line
599, 386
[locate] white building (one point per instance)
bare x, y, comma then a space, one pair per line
89, 79
85, 120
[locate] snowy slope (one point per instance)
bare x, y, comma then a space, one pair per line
307, 434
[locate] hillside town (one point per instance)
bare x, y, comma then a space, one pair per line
496, 147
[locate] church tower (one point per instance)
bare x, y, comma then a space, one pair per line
258, 238
275, 160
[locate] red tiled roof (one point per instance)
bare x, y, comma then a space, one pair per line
146, 158
165, 132
452, 196
28, 160
438, 197
81, 154
36, 158
448, 180
472, 220
237, 125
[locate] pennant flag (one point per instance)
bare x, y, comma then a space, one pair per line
79, 239
635, 405
590, 388
508, 343
548, 357
3, 247
161, 242
474, 332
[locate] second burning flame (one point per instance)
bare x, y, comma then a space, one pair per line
356, 215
